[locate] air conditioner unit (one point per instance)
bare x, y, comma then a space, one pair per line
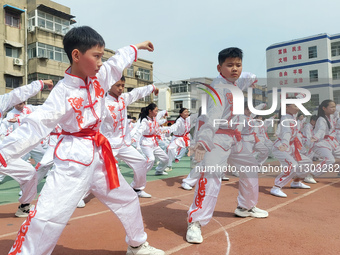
138, 73
17, 61
30, 29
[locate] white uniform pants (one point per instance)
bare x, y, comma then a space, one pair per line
209, 184
37, 154
328, 157
62, 191
135, 161
45, 164
291, 167
259, 147
173, 150
25, 174
150, 154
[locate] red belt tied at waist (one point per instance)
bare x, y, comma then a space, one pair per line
109, 159
256, 138
230, 132
298, 146
329, 136
154, 137
185, 138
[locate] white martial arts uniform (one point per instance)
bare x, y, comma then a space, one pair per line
326, 146
148, 133
116, 129
20, 170
222, 143
295, 164
180, 138
83, 159
38, 152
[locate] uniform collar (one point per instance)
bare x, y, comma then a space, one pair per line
76, 81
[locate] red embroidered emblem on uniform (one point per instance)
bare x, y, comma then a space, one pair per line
114, 116
287, 172
22, 233
76, 103
98, 89
200, 195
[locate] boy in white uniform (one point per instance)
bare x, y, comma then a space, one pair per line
218, 144
116, 129
83, 156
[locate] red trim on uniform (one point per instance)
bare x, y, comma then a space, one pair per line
135, 52
205, 145
2, 161
42, 84
200, 195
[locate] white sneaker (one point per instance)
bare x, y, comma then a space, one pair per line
310, 179
299, 185
142, 193
194, 234
225, 178
253, 212
168, 169
144, 249
186, 186
276, 191
81, 204
23, 211
161, 173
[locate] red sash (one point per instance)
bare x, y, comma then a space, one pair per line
109, 159
185, 138
230, 132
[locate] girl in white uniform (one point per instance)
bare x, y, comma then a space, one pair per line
180, 137
148, 133
287, 150
325, 144
83, 156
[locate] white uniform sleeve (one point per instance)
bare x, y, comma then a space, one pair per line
258, 107
19, 95
111, 70
35, 127
139, 130
138, 93
320, 129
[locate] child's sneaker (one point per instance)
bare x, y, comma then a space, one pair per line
299, 185
276, 191
310, 179
176, 160
142, 193
194, 234
81, 203
186, 186
23, 210
168, 169
144, 249
253, 212
161, 173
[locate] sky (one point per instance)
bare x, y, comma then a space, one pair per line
187, 34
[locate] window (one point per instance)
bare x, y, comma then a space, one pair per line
180, 88
313, 76
12, 19
336, 96
12, 81
130, 71
312, 52
193, 104
315, 100
129, 89
178, 105
144, 74
50, 22
336, 73
335, 48
42, 50
12, 52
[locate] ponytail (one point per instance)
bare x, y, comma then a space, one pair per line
145, 111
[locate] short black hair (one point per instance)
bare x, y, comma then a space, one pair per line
82, 38
232, 52
314, 117
122, 78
